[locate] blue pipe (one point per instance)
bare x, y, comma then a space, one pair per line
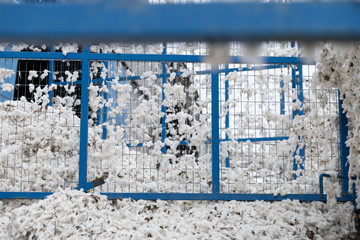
84, 116
344, 150
163, 108
144, 57
51, 77
227, 159
215, 130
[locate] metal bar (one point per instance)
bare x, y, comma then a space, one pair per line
260, 139
163, 108
41, 55
105, 109
215, 130
84, 116
147, 58
354, 197
321, 183
221, 196
51, 76
344, 196
294, 112
75, 83
104, 21
24, 195
104, 117
300, 91
293, 86
344, 150
186, 196
282, 99
227, 117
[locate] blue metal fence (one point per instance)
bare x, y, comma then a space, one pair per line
220, 95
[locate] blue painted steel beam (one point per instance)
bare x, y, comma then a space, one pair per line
84, 117
51, 77
282, 99
115, 21
222, 196
186, 196
24, 195
41, 55
163, 108
259, 139
321, 183
297, 85
344, 195
148, 58
344, 150
215, 131
227, 117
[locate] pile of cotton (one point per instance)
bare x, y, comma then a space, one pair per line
339, 66
71, 214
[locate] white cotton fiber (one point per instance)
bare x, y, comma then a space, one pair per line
73, 214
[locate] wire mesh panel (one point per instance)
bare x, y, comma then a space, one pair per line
228, 131
39, 127
255, 127
150, 122
279, 130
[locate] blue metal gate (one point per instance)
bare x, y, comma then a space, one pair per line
170, 126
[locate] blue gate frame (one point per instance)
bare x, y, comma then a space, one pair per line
338, 21
85, 56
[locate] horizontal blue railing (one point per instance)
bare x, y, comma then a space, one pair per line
109, 21
146, 57
188, 196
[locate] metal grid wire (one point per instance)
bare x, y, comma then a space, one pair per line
150, 129
322, 107
39, 128
279, 130
150, 126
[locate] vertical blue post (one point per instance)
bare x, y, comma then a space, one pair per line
215, 130
293, 82
51, 76
105, 109
344, 150
293, 86
282, 99
300, 88
297, 84
104, 115
294, 113
163, 108
84, 115
227, 160
300, 91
